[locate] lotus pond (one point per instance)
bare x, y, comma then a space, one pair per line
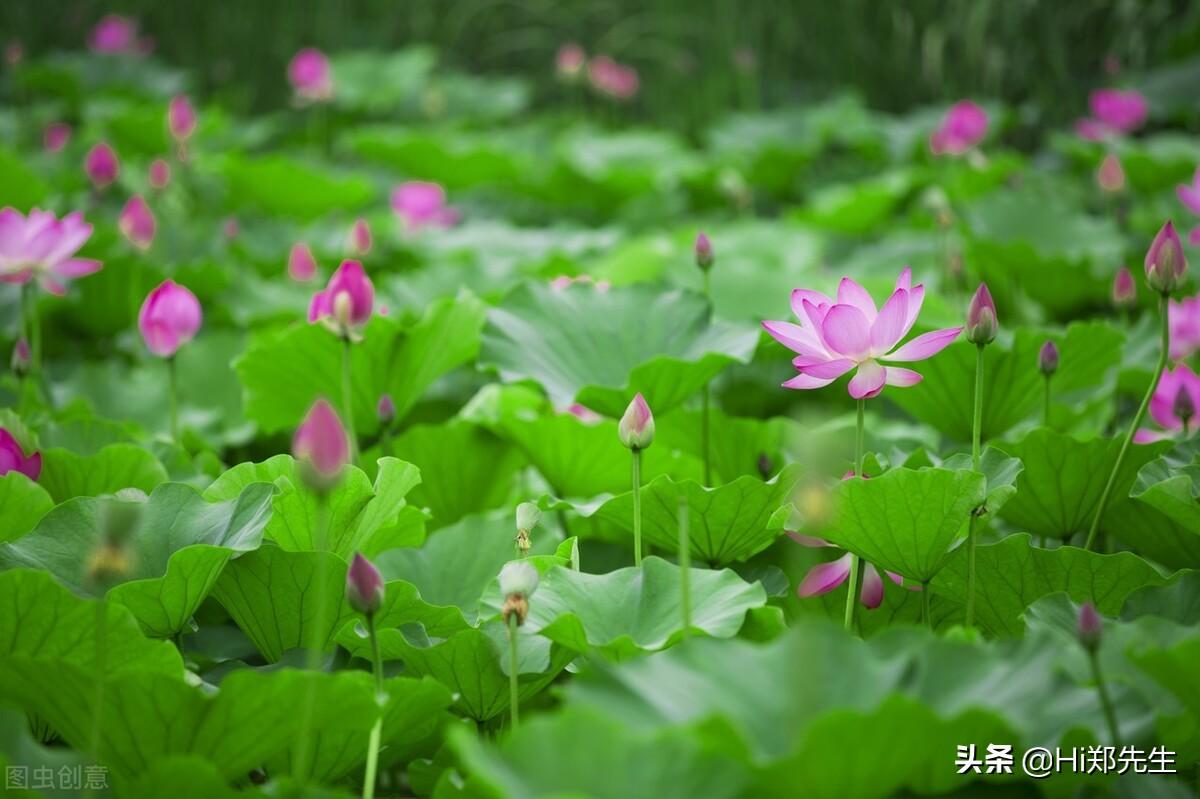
429, 435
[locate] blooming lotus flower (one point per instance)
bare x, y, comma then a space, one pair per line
13, 458
825, 577
835, 336
1183, 318
423, 204
114, 34
181, 118
1189, 194
1048, 358
981, 317
43, 246
302, 266
1124, 291
364, 586
1122, 111
169, 318
137, 222
962, 128
321, 442
1175, 400
310, 75
704, 252
613, 79
55, 136
101, 165
1165, 261
1110, 177
346, 303
636, 428
569, 61
1090, 627
360, 238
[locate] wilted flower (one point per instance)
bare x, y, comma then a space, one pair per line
169, 318
13, 458
21, 358
346, 303
1110, 177
421, 204
981, 317
101, 165
160, 174
1090, 627
518, 582
1167, 408
310, 75
636, 428
1189, 194
704, 252
612, 78
321, 442
43, 246
837, 336
301, 266
1048, 358
1165, 261
137, 222
364, 586
385, 409
1183, 319
360, 238
1124, 290
55, 136
181, 118
962, 128
569, 61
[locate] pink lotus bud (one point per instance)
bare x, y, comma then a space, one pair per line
1124, 291
113, 34
181, 118
1090, 627
56, 136
385, 410
364, 586
981, 317
160, 174
169, 318
360, 238
569, 61
13, 458
346, 302
1048, 358
137, 223
636, 428
310, 75
421, 204
1165, 262
704, 252
1111, 176
101, 165
962, 128
1184, 406
302, 266
321, 442
21, 359
230, 228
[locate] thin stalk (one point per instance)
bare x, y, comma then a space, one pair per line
100, 669
976, 432
1046, 409
368, 791
856, 565
514, 693
1110, 715
348, 399
704, 435
314, 642
173, 397
685, 567
925, 615
29, 313
637, 507
1137, 420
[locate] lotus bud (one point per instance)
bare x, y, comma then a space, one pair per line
981, 317
364, 586
1184, 406
569, 62
1111, 176
101, 165
360, 238
1165, 262
302, 266
346, 303
21, 359
160, 174
1124, 290
1048, 358
137, 223
518, 582
704, 252
181, 118
636, 428
385, 409
55, 136
321, 443
169, 318
1090, 627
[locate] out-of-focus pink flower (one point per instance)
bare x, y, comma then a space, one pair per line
584, 413
310, 75
230, 228
160, 173
703, 251
569, 61
1114, 112
302, 266
1089, 627
42, 246
835, 336
55, 136
169, 318
385, 409
13, 458
1092, 129
1176, 397
613, 79
181, 118
14, 53
562, 282
101, 165
114, 34
961, 129
360, 238
1165, 262
321, 441
364, 586
636, 428
1124, 290
1189, 194
1110, 177
982, 322
346, 303
137, 223
1194, 236
423, 204
1183, 318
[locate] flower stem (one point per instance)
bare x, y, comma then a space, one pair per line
976, 433
637, 507
32, 324
173, 397
855, 564
925, 615
100, 672
704, 434
1110, 714
368, 790
1137, 420
1046, 409
348, 399
685, 566
514, 692
314, 642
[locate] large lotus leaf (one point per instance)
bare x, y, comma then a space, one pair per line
1177, 599
601, 347
176, 550
22, 505
22, 188
66, 475
860, 207
179, 777
462, 160
737, 445
905, 520
635, 610
284, 371
1174, 668
355, 511
627, 163
381, 82
1059, 490
21, 754
1170, 485
1000, 470
726, 524
286, 187
1013, 388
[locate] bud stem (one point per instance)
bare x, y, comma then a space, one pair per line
637, 506
314, 640
29, 315
685, 566
1137, 420
1046, 409
1110, 714
173, 397
976, 433
856, 566
926, 616
514, 692
100, 669
704, 436
368, 791
348, 400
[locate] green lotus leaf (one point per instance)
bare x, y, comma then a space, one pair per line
66, 475
22, 505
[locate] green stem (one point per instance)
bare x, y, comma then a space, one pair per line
925, 615
514, 693
99, 671
1137, 420
976, 433
173, 397
1110, 714
314, 641
685, 566
1046, 409
856, 565
348, 399
637, 507
368, 790
704, 435
32, 324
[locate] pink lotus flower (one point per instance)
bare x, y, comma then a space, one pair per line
310, 75
137, 223
1189, 194
13, 458
360, 238
961, 129
1183, 318
1114, 112
569, 61
181, 118
837, 336
43, 246
114, 34
346, 303
1194, 236
423, 204
321, 441
1110, 177
160, 174
1165, 262
1124, 290
101, 165
169, 318
1175, 400
302, 266
364, 585
55, 136
612, 78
